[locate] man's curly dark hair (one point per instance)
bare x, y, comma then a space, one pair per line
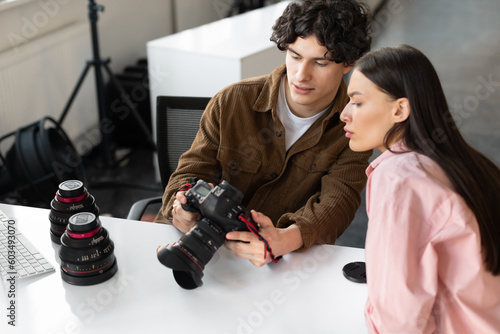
342, 26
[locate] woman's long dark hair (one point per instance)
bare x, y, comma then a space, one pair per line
431, 130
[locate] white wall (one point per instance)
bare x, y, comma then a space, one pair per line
193, 13
30, 19
124, 28
29, 27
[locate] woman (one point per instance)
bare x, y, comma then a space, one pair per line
433, 203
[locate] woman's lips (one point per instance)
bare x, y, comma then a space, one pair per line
348, 133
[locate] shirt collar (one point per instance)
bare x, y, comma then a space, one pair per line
268, 96
395, 149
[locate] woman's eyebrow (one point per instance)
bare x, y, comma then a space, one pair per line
351, 94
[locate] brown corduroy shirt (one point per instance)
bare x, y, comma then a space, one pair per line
316, 184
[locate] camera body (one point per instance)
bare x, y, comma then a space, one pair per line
220, 208
221, 204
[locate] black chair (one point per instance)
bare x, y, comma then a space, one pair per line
177, 122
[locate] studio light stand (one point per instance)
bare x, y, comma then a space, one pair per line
42, 155
108, 158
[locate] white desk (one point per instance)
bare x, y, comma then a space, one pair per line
303, 293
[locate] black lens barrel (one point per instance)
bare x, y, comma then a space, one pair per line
189, 256
86, 253
71, 197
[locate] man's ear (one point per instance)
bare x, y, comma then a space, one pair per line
347, 68
402, 111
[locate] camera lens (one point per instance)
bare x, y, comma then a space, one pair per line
222, 212
188, 256
71, 197
87, 252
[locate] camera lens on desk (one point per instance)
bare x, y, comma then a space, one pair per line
87, 252
71, 197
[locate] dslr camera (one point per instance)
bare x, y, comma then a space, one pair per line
222, 212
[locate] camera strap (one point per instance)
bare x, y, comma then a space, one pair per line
191, 183
253, 229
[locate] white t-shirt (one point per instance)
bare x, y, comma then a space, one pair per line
295, 126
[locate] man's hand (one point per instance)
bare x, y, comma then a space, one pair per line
246, 245
183, 220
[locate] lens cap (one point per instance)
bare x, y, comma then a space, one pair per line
82, 222
355, 272
71, 188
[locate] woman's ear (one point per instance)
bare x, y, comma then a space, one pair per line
402, 111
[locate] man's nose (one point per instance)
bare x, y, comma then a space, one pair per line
304, 72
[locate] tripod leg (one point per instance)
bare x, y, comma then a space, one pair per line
73, 95
133, 109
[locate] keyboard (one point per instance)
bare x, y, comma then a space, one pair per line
18, 256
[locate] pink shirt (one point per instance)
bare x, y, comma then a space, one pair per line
423, 253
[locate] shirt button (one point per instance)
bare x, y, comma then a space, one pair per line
234, 164
313, 166
278, 133
274, 175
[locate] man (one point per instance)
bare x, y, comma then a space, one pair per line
279, 140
